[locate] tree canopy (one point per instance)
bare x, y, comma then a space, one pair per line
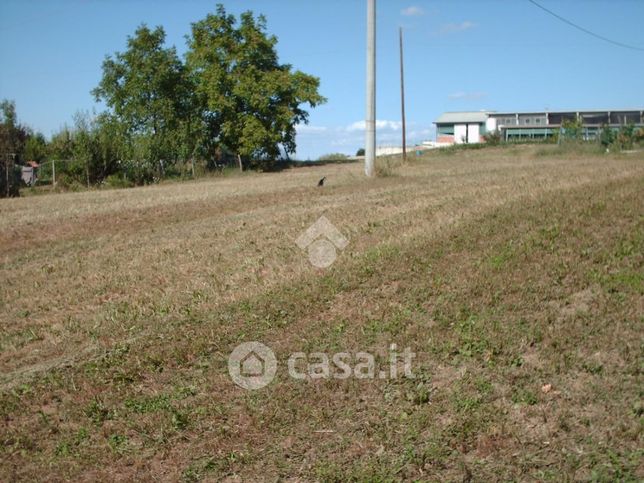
254, 101
13, 139
146, 89
232, 94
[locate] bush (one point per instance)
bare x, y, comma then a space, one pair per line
639, 135
333, 157
625, 137
581, 148
141, 172
118, 181
492, 138
606, 136
68, 182
572, 130
386, 166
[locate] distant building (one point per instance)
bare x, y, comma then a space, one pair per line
461, 127
29, 173
470, 127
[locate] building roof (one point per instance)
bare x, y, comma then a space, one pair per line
559, 111
462, 117
481, 116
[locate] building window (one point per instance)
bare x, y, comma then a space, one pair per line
527, 121
537, 121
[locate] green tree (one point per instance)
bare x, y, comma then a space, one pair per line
572, 129
85, 147
13, 137
35, 148
86, 153
250, 102
606, 136
61, 145
111, 144
146, 89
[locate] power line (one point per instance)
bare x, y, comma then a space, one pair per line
601, 37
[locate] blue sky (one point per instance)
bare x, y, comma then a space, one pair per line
459, 55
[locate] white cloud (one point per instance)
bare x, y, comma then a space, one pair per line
347, 139
380, 124
420, 134
412, 11
466, 96
452, 28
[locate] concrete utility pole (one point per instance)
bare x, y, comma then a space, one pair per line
370, 135
402, 98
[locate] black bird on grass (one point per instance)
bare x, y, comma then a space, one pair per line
321, 182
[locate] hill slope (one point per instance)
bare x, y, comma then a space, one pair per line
516, 280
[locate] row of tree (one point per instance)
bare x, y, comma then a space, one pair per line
228, 98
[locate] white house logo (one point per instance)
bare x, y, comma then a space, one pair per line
320, 240
252, 365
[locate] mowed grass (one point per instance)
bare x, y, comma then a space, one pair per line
516, 279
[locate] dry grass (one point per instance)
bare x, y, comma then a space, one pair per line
505, 271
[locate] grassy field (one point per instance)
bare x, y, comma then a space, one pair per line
514, 274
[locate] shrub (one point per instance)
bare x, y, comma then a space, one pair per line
493, 138
606, 136
572, 130
386, 166
68, 182
625, 137
639, 136
333, 157
118, 181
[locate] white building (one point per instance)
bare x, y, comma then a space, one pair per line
471, 126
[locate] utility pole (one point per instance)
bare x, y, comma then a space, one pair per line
402, 98
8, 171
370, 124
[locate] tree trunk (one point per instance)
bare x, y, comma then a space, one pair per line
239, 161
